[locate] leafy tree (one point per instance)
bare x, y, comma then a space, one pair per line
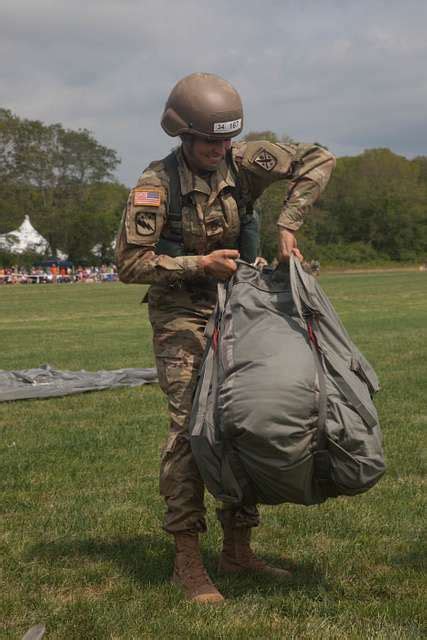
375, 206
63, 179
421, 163
377, 198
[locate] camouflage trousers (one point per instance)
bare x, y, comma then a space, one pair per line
178, 318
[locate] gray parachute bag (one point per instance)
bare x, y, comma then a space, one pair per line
283, 408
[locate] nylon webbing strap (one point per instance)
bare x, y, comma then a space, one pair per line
176, 200
323, 399
218, 311
210, 327
234, 479
367, 416
229, 481
222, 296
207, 377
321, 458
174, 219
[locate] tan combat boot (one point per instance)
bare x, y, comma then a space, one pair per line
189, 572
238, 557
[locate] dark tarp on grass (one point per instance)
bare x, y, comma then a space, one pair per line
46, 382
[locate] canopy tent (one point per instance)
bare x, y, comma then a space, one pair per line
48, 262
25, 238
97, 248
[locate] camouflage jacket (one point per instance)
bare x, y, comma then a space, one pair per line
211, 215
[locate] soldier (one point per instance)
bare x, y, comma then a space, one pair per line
186, 221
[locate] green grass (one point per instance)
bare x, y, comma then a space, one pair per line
82, 548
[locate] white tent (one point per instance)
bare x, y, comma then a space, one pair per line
25, 238
97, 248
61, 255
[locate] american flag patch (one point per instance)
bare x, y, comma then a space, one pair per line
150, 198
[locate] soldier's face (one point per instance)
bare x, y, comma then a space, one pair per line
205, 154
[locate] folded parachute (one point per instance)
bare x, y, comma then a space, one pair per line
283, 409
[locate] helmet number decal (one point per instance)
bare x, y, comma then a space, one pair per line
227, 127
265, 159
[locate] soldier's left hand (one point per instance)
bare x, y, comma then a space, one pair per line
288, 245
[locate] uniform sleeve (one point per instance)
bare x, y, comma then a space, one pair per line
142, 222
306, 168
311, 173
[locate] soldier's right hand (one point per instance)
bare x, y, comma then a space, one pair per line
221, 263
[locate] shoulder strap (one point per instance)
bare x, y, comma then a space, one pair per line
249, 241
171, 167
237, 190
171, 238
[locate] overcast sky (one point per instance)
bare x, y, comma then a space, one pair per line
349, 74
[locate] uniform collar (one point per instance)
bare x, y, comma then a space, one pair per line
220, 179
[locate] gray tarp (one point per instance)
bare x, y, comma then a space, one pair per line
46, 382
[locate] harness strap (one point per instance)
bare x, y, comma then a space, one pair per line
171, 241
321, 457
175, 200
323, 396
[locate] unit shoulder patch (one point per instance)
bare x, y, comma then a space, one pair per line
265, 159
145, 223
146, 197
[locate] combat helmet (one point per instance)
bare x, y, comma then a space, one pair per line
203, 104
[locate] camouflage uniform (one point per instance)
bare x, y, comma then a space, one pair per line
182, 297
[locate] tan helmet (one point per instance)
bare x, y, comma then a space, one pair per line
203, 104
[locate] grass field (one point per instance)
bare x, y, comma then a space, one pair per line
81, 543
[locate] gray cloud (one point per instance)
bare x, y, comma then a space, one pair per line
350, 75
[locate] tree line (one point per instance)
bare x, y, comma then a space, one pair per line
374, 208
64, 180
